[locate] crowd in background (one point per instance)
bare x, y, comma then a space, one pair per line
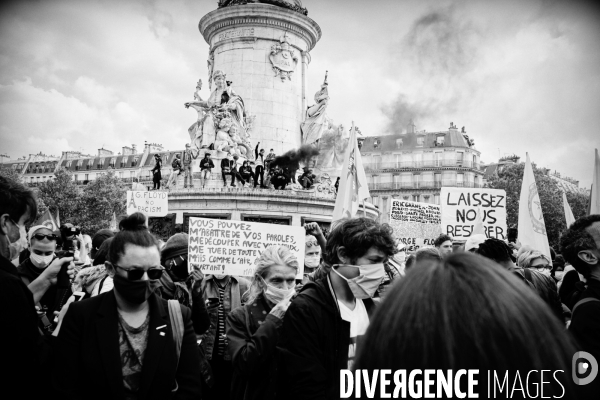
120, 314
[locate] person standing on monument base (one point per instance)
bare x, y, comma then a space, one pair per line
259, 171
189, 155
156, 175
176, 170
206, 166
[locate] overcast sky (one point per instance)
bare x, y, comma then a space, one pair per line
520, 75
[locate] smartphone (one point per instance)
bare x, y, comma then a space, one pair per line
78, 296
212, 302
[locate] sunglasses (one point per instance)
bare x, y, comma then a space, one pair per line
41, 236
137, 274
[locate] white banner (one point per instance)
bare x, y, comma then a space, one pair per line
460, 207
415, 224
152, 204
227, 247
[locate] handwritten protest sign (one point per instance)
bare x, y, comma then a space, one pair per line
153, 204
231, 247
415, 224
461, 205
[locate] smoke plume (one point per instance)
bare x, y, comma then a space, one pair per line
293, 158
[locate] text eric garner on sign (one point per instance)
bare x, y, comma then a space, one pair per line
415, 224
461, 205
227, 247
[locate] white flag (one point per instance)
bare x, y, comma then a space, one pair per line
568, 213
353, 182
595, 196
532, 229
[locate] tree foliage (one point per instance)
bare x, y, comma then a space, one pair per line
510, 178
10, 173
91, 207
99, 200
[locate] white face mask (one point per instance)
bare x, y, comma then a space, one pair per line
41, 261
21, 244
366, 284
276, 295
312, 261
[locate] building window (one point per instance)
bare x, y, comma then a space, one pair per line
405, 197
79, 164
87, 177
426, 198
113, 161
416, 180
415, 197
68, 164
436, 199
75, 177
101, 163
420, 141
460, 180
121, 174
376, 143
439, 141
399, 143
135, 161
460, 158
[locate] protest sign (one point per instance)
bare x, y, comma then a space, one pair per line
415, 224
152, 204
461, 206
231, 247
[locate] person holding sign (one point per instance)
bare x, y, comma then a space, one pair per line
253, 330
325, 322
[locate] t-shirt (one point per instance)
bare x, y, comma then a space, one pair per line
359, 322
132, 346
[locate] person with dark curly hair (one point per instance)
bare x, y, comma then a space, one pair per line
444, 244
580, 246
330, 315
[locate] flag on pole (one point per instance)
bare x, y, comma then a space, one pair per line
57, 220
47, 220
595, 195
353, 182
478, 227
113, 223
532, 229
568, 212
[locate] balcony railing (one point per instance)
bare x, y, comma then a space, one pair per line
420, 164
422, 185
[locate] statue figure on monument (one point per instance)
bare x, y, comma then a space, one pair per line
316, 121
223, 141
223, 103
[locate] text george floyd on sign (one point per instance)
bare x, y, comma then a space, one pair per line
463, 208
152, 204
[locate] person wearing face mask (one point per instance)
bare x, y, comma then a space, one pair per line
253, 330
324, 324
43, 247
312, 255
25, 349
122, 344
221, 294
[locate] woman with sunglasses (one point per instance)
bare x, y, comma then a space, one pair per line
121, 344
39, 272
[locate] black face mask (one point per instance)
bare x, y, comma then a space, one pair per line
135, 292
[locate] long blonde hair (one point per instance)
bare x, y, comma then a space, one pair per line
273, 255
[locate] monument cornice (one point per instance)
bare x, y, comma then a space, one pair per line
256, 15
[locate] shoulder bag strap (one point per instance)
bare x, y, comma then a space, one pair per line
177, 326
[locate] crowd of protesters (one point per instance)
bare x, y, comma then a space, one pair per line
118, 315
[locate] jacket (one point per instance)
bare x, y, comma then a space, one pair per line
314, 344
233, 298
226, 163
20, 334
585, 322
90, 366
253, 335
206, 164
545, 287
247, 170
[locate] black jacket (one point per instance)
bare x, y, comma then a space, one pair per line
253, 335
206, 163
89, 365
247, 170
54, 298
22, 340
314, 344
585, 322
226, 163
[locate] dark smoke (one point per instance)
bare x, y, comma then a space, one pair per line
293, 158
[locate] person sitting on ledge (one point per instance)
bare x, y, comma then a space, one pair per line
279, 179
246, 172
307, 179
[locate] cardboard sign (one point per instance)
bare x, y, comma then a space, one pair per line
460, 208
415, 224
227, 247
153, 204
